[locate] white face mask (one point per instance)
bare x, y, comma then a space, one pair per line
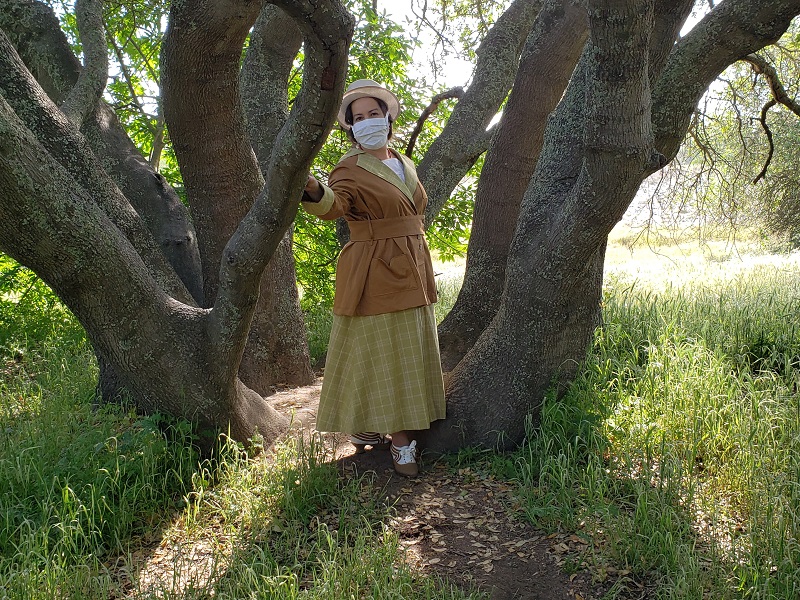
372, 134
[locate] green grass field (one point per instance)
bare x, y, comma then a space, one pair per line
675, 454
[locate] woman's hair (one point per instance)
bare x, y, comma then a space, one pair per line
348, 118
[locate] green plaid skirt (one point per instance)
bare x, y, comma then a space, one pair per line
383, 373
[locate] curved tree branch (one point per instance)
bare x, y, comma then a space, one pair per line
277, 348
274, 44
668, 19
763, 120
779, 96
64, 232
463, 139
34, 29
206, 122
456, 92
327, 30
762, 67
49, 222
89, 88
595, 147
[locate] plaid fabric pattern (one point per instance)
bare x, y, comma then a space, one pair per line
383, 373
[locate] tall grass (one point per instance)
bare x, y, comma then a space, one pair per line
675, 454
76, 481
31, 316
678, 445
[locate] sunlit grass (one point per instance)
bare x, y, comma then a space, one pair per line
677, 447
288, 526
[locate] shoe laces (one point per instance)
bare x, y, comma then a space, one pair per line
405, 454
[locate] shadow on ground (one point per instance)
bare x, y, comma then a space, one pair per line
459, 523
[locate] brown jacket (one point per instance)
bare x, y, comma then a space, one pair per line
386, 265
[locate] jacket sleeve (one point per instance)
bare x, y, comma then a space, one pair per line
337, 197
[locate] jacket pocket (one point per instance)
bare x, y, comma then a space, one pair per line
389, 278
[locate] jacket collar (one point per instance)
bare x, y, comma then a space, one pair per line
369, 163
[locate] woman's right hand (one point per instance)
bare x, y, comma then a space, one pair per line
313, 189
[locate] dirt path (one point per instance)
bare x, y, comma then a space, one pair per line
460, 524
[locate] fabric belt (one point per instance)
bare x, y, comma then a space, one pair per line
381, 229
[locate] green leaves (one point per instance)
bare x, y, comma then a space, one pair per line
134, 31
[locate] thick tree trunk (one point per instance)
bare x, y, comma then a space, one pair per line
159, 206
327, 31
554, 275
219, 197
156, 344
65, 144
277, 346
206, 123
596, 147
77, 232
171, 356
549, 57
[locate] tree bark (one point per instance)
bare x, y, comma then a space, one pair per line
46, 51
63, 142
540, 334
327, 30
551, 52
171, 357
157, 345
669, 16
206, 122
61, 217
277, 348
92, 81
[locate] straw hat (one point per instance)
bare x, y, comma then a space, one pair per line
367, 88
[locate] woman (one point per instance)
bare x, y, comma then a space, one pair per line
383, 372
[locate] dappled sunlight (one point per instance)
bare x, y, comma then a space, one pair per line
179, 562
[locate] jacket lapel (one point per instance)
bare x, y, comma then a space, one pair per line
411, 174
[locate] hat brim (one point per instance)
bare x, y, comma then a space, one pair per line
368, 92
